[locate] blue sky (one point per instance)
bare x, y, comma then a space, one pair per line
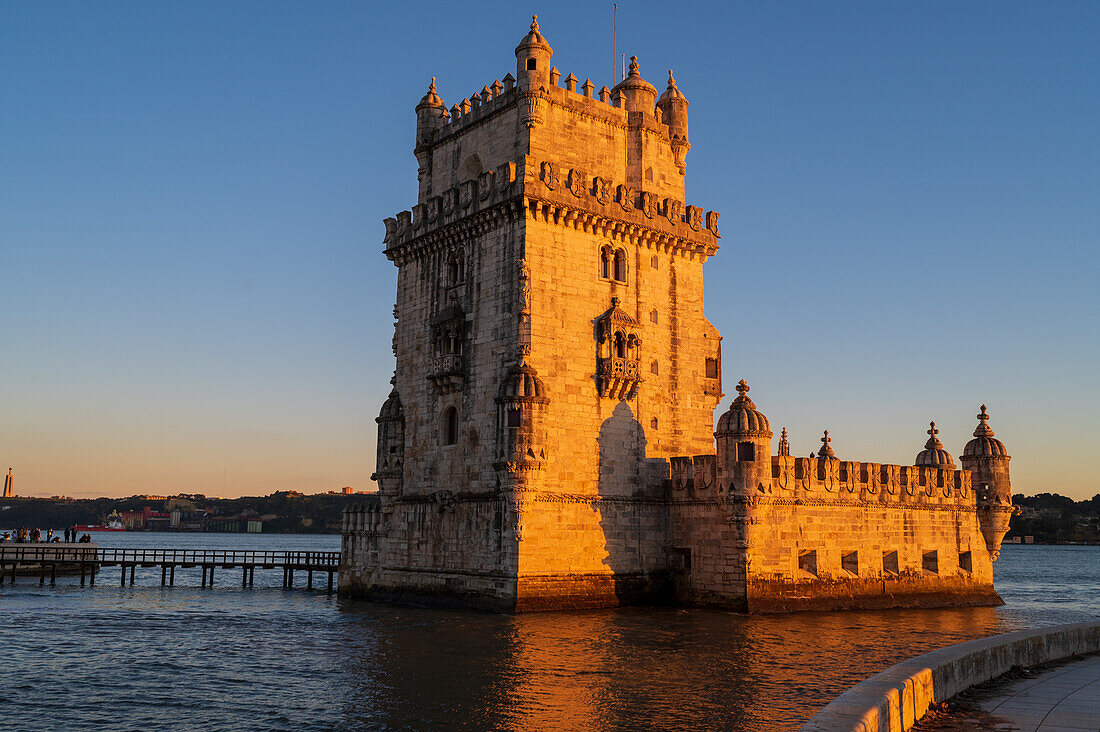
193, 295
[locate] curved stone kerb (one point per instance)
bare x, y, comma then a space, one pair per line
898, 697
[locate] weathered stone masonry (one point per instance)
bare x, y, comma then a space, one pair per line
554, 367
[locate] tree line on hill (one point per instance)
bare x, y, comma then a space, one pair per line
1054, 519
283, 512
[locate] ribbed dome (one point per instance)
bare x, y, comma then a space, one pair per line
742, 416
933, 455
984, 443
533, 39
431, 99
672, 92
392, 411
522, 384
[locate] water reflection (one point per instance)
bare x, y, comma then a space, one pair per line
267, 658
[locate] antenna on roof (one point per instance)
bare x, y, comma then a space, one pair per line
614, 21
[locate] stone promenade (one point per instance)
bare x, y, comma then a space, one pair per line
1062, 699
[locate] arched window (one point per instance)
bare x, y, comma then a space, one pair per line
620, 345
620, 266
605, 262
456, 269
449, 431
653, 316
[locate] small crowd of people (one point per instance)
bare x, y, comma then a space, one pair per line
24, 535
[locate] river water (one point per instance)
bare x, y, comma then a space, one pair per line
266, 658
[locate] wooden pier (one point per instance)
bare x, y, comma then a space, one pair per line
50, 560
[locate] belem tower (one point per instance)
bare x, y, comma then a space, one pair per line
549, 441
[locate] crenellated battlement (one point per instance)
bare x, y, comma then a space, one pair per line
829, 479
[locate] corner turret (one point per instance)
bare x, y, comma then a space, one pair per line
744, 445
431, 115
533, 56
389, 465
673, 105
986, 457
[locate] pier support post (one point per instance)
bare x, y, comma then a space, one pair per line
211, 575
82, 574
172, 576
251, 575
330, 580
91, 578
290, 578
203, 576
163, 574
122, 579
309, 579
244, 577
53, 574
132, 566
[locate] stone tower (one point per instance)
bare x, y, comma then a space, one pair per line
551, 347
986, 457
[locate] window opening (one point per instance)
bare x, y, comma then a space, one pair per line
450, 426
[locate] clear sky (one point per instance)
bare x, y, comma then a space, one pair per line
193, 296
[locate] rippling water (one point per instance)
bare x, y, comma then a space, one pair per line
266, 658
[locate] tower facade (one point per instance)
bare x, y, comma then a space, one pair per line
550, 342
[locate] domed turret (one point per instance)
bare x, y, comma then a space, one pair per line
985, 456
392, 410
521, 435
933, 455
742, 419
533, 56
744, 445
673, 105
635, 94
984, 443
391, 445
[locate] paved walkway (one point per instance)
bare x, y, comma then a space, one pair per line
1064, 699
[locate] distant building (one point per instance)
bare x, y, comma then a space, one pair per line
9, 485
347, 490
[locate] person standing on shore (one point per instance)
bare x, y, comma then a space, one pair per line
49, 535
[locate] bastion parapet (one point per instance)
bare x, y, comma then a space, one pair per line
549, 439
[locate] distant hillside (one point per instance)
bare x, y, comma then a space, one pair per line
280, 513
1055, 519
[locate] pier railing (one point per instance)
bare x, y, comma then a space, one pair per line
47, 559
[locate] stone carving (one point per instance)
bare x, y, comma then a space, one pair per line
434, 208
485, 185
577, 184
505, 174
450, 201
674, 210
649, 204
626, 198
548, 176
467, 191
712, 222
694, 217
602, 188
